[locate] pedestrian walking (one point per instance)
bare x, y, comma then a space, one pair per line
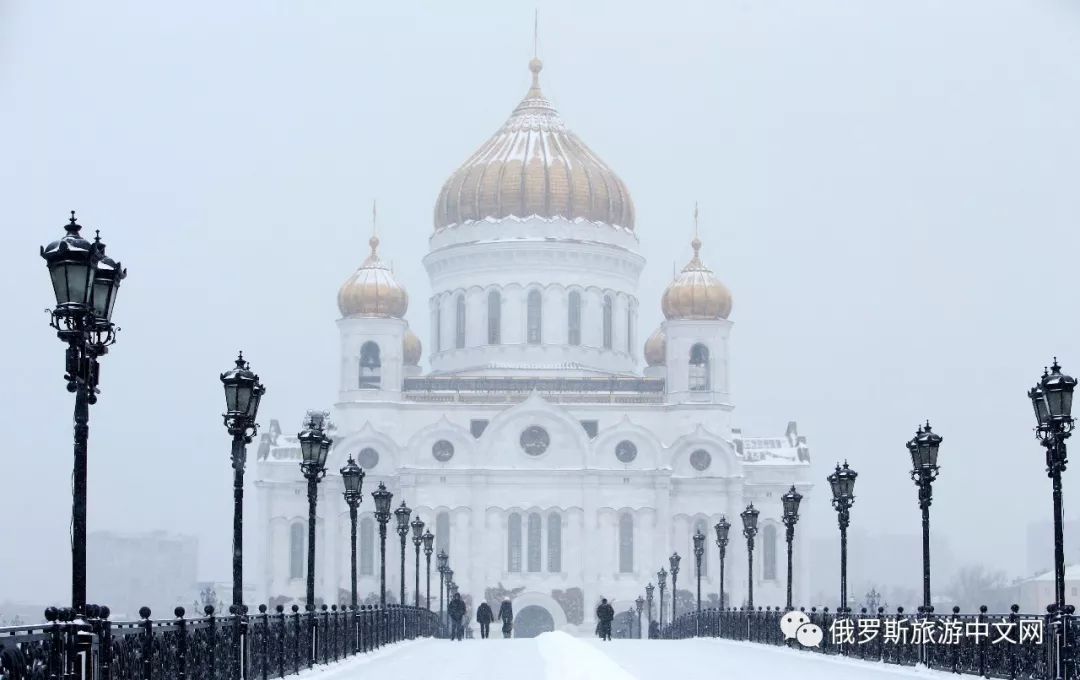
506, 615
605, 613
456, 610
484, 616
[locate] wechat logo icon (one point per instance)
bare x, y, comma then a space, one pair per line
796, 624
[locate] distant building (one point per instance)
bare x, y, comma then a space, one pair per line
1040, 545
129, 571
1033, 594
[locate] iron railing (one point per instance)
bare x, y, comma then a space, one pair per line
952, 642
273, 644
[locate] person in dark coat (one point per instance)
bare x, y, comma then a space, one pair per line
484, 617
654, 630
605, 613
506, 615
457, 613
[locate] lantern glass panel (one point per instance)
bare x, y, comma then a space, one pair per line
834, 482
71, 282
253, 401
231, 396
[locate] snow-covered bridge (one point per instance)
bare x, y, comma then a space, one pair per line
558, 656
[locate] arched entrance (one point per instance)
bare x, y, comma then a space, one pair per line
531, 621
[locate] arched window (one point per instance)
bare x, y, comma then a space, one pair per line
768, 552
534, 542
494, 318
296, 550
699, 368
370, 366
573, 318
626, 543
607, 321
367, 546
703, 528
442, 532
459, 322
534, 318
513, 543
438, 328
554, 542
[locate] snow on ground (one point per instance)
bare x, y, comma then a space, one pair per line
558, 656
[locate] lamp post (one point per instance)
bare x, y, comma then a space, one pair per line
314, 447
442, 559
673, 562
749, 522
382, 499
639, 606
722, 527
842, 482
649, 588
243, 391
353, 477
402, 515
661, 582
699, 552
85, 282
417, 526
429, 540
791, 502
923, 448
1052, 401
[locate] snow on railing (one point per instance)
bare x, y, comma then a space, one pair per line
1009, 645
236, 646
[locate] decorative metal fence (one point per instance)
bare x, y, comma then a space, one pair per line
1011, 645
236, 646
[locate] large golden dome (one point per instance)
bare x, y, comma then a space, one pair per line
411, 348
696, 293
372, 290
656, 348
534, 165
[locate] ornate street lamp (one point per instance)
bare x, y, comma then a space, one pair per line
353, 477
673, 561
243, 391
722, 527
314, 447
429, 540
382, 499
443, 562
1052, 401
649, 588
85, 282
699, 552
402, 515
749, 522
791, 502
661, 582
923, 448
842, 482
639, 605
417, 526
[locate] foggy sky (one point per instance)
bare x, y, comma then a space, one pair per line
889, 189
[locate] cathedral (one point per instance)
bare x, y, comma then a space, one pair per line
550, 466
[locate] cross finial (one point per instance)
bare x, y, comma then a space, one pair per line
374, 240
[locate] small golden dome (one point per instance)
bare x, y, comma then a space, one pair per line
372, 290
411, 348
696, 293
656, 348
534, 166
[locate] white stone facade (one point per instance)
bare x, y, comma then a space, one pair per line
535, 339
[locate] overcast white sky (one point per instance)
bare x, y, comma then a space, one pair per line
889, 188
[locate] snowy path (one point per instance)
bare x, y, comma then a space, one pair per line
557, 656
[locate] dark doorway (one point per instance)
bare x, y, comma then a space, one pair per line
531, 621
